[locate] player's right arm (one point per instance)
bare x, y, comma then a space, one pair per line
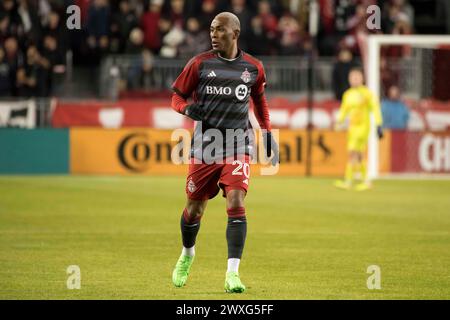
343, 110
184, 87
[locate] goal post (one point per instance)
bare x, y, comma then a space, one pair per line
373, 77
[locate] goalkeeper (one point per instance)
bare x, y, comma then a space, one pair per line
358, 103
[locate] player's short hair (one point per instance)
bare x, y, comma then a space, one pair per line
232, 19
357, 69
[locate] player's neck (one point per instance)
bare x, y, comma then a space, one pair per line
231, 54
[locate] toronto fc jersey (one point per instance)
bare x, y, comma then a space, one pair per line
222, 87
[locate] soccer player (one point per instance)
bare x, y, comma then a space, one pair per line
358, 103
220, 83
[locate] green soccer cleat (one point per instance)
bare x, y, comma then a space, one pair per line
345, 185
363, 186
233, 283
181, 271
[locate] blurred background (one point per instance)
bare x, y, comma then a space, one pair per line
117, 69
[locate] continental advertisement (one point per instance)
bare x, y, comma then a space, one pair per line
163, 152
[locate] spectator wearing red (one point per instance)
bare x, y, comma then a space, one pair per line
150, 26
269, 20
176, 13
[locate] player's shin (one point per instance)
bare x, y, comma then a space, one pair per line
189, 230
236, 234
349, 172
363, 169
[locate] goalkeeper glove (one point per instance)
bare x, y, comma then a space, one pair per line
194, 111
380, 132
271, 146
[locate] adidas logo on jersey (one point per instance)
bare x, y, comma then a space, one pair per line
211, 74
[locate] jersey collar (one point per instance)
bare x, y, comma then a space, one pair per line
238, 57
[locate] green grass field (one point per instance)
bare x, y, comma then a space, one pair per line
306, 240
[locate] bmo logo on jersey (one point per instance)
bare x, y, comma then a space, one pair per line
218, 90
240, 92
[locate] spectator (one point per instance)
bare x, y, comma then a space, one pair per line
176, 13
14, 59
207, 13
56, 30
269, 20
125, 20
389, 76
196, 40
258, 42
172, 38
29, 20
399, 9
31, 78
150, 26
141, 64
5, 27
9, 8
44, 9
5, 83
341, 70
98, 24
395, 112
290, 36
135, 43
239, 8
56, 62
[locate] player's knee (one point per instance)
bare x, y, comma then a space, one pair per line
192, 216
235, 199
194, 211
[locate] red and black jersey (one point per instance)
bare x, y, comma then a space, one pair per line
224, 87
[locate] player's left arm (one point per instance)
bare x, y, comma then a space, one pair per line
343, 111
376, 110
261, 111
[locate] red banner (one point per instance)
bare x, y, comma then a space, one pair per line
124, 113
284, 113
420, 152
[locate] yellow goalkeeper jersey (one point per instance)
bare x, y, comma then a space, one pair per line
357, 104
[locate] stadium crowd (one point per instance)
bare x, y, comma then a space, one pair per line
34, 38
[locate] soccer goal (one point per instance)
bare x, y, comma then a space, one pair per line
417, 64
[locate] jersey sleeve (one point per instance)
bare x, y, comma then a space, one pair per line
188, 79
261, 111
343, 110
260, 84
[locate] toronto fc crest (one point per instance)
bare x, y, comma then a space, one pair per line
246, 76
191, 186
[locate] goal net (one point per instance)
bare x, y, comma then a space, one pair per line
418, 67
